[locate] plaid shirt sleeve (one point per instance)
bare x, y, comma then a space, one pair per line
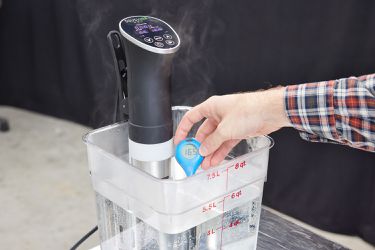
340, 111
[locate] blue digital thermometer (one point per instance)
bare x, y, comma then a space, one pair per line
187, 155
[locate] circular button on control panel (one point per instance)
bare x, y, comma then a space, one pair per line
158, 38
159, 44
169, 42
148, 40
167, 36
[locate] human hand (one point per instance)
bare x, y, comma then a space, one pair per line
231, 118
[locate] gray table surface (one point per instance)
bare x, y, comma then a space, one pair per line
278, 233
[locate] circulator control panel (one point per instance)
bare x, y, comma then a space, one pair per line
150, 33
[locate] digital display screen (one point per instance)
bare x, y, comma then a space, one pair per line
144, 28
189, 151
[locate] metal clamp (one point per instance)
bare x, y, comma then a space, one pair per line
119, 61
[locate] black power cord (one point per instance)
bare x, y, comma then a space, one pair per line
4, 125
85, 237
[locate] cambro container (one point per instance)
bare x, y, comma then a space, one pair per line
214, 209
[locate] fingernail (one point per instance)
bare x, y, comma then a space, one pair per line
203, 150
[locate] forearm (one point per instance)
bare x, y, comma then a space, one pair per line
273, 106
341, 110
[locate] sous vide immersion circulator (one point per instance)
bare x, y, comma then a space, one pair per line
150, 44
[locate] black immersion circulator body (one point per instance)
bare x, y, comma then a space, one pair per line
149, 45
149, 85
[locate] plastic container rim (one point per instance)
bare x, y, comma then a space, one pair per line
85, 139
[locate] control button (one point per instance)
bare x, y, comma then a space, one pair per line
148, 39
159, 44
158, 38
167, 36
169, 42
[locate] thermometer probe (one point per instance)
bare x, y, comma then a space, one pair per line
187, 155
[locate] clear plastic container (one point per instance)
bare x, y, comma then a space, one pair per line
214, 209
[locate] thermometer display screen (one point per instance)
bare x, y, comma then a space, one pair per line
187, 155
189, 151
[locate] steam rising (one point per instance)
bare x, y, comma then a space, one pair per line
93, 15
192, 73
